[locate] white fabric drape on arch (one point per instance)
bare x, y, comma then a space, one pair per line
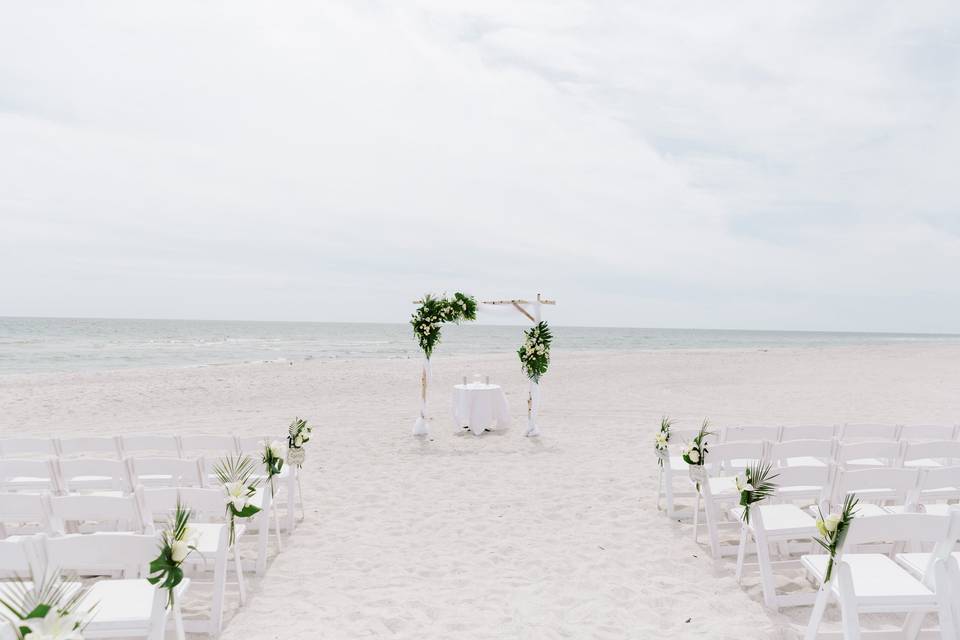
420, 427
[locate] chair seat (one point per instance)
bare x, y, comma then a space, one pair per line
723, 485
875, 577
864, 510
804, 461
781, 519
208, 538
922, 462
122, 604
916, 563
865, 462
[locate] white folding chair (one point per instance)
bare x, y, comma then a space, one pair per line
28, 448
34, 476
208, 522
778, 521
166, 472
750, 434
673, 469
125, 607
925, 432
868, 431
936, 486
930, 454
808, 432
874, 583
93, 446
24, 514
19, 559
724, 462
90, 513
803, 453
150, 445
874, 453
93, 474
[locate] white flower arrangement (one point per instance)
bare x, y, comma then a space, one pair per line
235, 476
534, 353
47, 610
662, 439
176, 543
833, 529
695, 453
298, 434
435, 311
755, 486
273, 456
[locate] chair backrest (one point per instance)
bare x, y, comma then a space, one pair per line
19, 558
150, 444
947, 451
96, 446
102, 553
868, 431
24, 508
877, 484
28, 447
808, 432
206, 504
944, 480
921, 432
93, 474
208, 445
31, 475
877, 453
733, 456
809, 478
100, 512
750, 433
905, 527
166, 472
782, 453
160, 502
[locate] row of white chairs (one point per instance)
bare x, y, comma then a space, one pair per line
146, 512
909, 506
178, 446
856, 454
64, 465
123, 605
849, 432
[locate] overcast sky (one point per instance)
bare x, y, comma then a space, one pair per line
724, 165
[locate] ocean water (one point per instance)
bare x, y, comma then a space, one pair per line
32, 345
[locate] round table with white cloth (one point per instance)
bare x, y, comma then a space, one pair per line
480, 406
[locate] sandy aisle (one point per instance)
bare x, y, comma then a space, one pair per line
499, 536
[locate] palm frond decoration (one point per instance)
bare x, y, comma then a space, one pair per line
433, 312
833, 529
235, 475
755, 486
176, 543
50, 608
535, 351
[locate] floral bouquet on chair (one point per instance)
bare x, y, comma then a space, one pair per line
298, 434
235, 475
47, 609
662, 439
273, 461
176, 543
755, 486
695, 454
833, 528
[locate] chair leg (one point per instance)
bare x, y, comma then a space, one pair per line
219, 588
668, 490
276, 523
948, 625
241, 586
659, 487
766, 574
178, 621
696, 520
819, 607
711, 520
848, 604
741, 552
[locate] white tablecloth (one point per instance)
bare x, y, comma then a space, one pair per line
479, 407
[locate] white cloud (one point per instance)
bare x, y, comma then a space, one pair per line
675, 165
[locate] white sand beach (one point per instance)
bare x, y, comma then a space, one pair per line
498, 536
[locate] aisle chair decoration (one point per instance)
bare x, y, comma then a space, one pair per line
426, 322
48, 610
695, 454
177, 542
235, 475
662, 442
833, 528
755, 486
535, 358
273, 455
298, 434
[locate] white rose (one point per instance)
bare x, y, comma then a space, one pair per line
298, 441
276, 448
694, 456
832, 521
661, 440
179, 549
